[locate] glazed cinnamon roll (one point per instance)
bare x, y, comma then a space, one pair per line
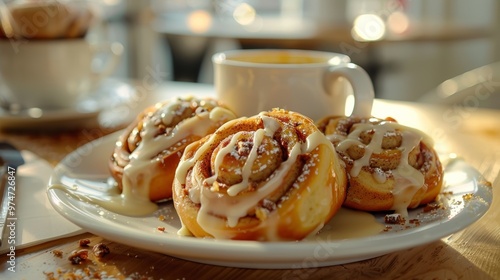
273, 176
389, 166
147, 152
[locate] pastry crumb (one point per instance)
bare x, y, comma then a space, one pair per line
394, 219
468, 196
162, 229
78, 256
415, 222
84, 242
100, 250
431, 207
57, 253
486, 183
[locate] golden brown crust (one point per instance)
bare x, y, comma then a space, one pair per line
304, 186
382, 176
166, 155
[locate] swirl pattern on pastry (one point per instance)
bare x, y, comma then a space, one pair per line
148, 151
389, 166
273, 176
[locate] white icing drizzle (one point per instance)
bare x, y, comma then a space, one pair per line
235, 205
335, 138
220, 156
408, 180
379, 175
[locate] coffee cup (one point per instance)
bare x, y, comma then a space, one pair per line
54, 74
313, 83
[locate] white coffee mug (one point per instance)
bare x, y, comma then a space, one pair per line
53, 74
314, 83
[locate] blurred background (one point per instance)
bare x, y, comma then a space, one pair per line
409, 48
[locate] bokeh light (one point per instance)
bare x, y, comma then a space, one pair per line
199, 21
398, 22
244, 14
368, 27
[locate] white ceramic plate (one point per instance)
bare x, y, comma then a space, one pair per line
85, 171
110, 94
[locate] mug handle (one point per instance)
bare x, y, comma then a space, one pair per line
361, 84
114, 53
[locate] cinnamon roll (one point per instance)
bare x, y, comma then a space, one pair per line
147, 152
273, 176
389, 166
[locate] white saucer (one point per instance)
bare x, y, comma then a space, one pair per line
111, 94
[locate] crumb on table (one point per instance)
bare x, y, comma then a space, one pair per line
57, 253
84, 242
100, 250
78, 256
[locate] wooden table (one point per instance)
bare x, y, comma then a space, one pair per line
472, 253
